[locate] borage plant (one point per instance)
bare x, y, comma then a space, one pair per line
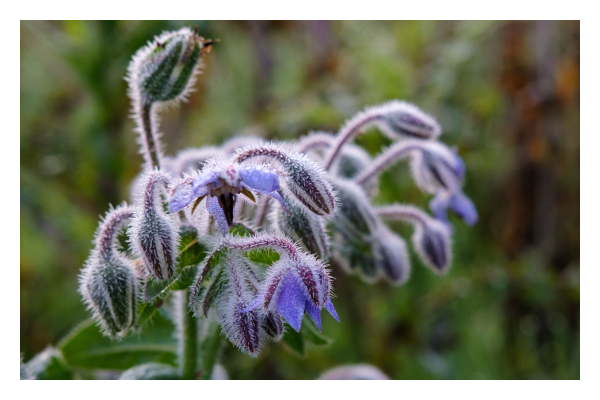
203, 250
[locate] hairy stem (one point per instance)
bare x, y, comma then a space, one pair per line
395, 153
210, 349
403, 212
188, 338
352, 129
150, 143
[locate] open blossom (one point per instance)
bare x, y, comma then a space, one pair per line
221, 182
294, 288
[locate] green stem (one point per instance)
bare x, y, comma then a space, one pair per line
210, 349
188, 340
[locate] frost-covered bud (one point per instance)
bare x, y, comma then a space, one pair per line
241, 328
437, 166
431, 237
353, 161
164, 69
432, 242
355, 217
153, 233
392, 256
304, 179
300, 224
272, 324
354, 372
107, 282
399, 119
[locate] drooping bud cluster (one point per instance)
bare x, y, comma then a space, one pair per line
250, 308
108, 282
153, 233
324, 185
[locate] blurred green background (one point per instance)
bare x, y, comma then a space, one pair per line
506, 93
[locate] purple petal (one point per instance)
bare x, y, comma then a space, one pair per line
214, 208
329, 307
181, 198
260, 179
313, 312
438, 206
459, 165
199, 184
254, 303
290, 303
278, 197
464, 207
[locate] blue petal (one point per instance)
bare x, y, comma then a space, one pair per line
260, 179
199, 185
253, 304
464, 207
438, 206
278, 197
290, 303
313, 312
329, 307
214, 208
181, 198
459, 165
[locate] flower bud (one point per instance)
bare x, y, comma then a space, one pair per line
108, 283
392, 256
399, 119
300, 224
432, 242
164, 69
153, 233
352, 161
272, 324
241, 328
304, 179
307, 182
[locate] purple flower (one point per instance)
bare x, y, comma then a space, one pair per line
220, 183
458, 202
292, 291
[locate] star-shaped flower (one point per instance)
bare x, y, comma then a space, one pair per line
221, 182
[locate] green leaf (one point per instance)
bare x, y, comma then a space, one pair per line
47, 365
294, 340
308, 337
313, 336
151, 371
86, 347
192, 252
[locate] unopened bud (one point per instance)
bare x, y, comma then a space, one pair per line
300, 224
108, 283
399, 119
153, 233
432, 242
272, 324
353, 161
392, 257
304, 179
163, 70
307, 182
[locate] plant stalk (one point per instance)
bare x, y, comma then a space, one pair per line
188, 338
